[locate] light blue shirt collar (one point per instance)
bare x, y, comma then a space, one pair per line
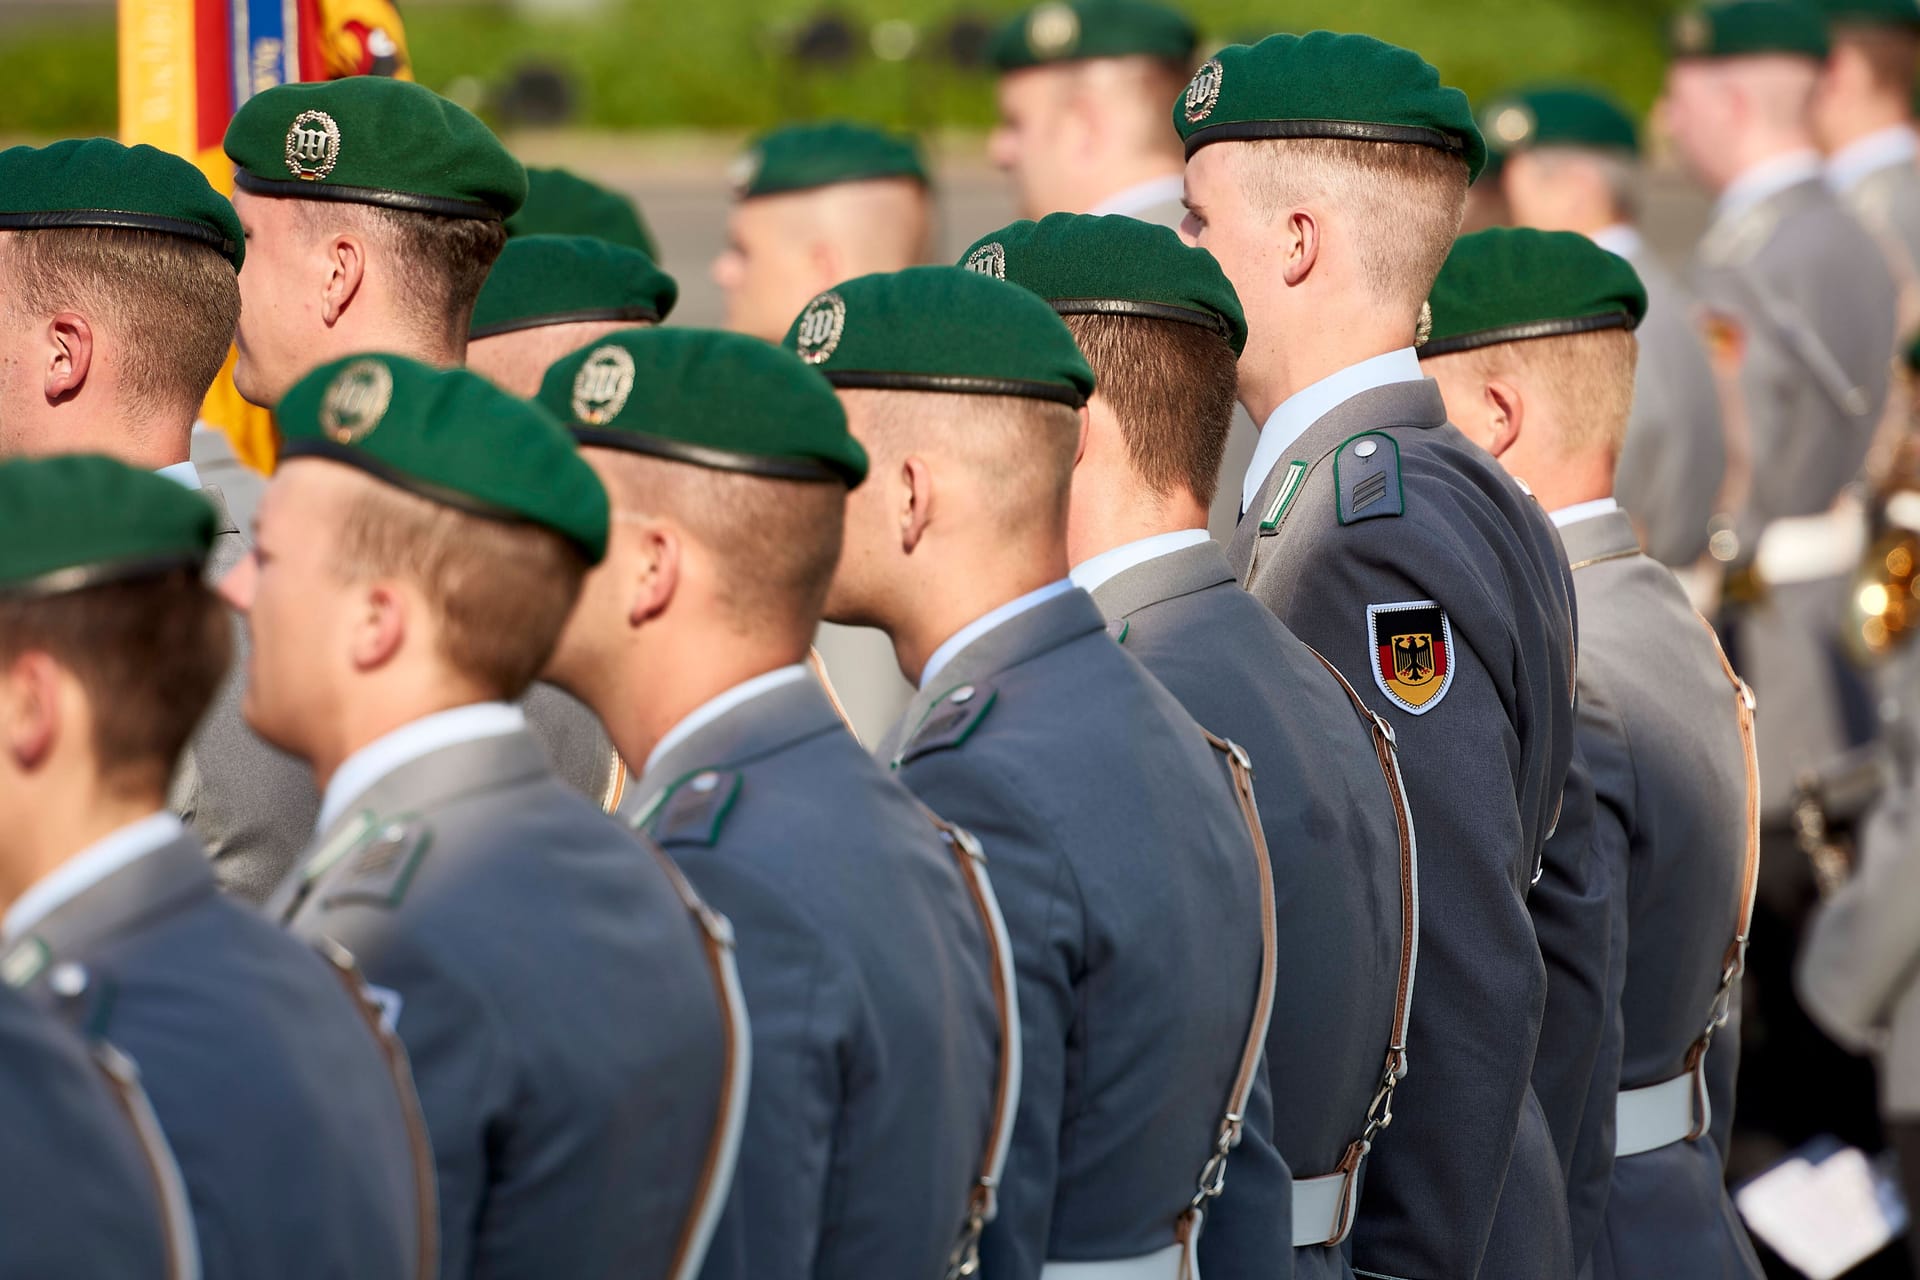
184, 473
987, 622
1860, 159
718, 705
1310, 404
1620, 240
1097, 570
361, 770
1766, 180
117, 849
1142, 196
1583, 511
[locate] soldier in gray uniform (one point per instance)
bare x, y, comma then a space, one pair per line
1162, 329
1863, 118
409, 192
1400, 551
867, 952
247, 1046
569, 1005
1133, 890
1571, 162
138, 253
1544, 321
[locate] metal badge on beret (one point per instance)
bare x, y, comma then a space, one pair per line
988, 260
744, 170
1512, 124
1052, 30
313, 145
356, 400
821, 325
1203, 93
1692, 32
1423, 327
601, 388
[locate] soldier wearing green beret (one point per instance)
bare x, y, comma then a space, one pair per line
566, 1002
870, 950
1533, 346
1571, 162
118, 304
562, 203
1134, 892
1327, 174
1162, 330
814, 204
548, 296
111, 646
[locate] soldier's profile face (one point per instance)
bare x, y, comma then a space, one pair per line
1028, 143
278, 308
767, 272
1224, 221
1697, 112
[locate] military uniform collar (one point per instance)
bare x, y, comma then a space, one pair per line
184, 474
985, 624
1765, 182
97, 862
771, 715
1142, 196
1181, 572
374, 762
1095, 571
1300, 411
1622, 239
447, 772
148, 870
1608, 535
1853, 164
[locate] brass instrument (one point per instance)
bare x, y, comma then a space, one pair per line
1883, 600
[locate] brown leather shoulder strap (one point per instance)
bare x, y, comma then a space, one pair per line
170, 1188
1734, 962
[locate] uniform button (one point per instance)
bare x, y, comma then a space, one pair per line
963, 694
67, 980
1366, 448
705, 782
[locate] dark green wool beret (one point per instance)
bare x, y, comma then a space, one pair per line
96, 182
1913, 354
1113, 266
801, 157
1558, 116
1745, 28
1080, 29
78, 520
1870, 13
1510, 284
560, 203
542, 280
941, 329
1324, 85
711, 399
373, 140
449, 436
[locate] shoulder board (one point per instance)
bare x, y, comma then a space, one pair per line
378, 871
1118, 628
81, 996
1366, 471
1735, 243
950, 721
694, 809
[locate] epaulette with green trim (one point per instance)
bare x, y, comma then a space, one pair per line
694, 809
950, 721
1118, 629
80, 995
1366, 474
380, 869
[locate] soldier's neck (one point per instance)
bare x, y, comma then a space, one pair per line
669, 682
1113, 511
149, 441
1862, 119
72, 810
947, 599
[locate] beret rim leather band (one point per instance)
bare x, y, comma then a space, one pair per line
1524, 332
959, 384
119, 220
1146, 310
785, 189
1339, 130
700, 455
585, 315
405, 201
79, 577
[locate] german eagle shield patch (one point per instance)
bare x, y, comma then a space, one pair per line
1412, 653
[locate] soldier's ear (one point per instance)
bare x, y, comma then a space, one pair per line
345, 267
1506, 412
655, 575
915, 510
1299, 246
30, 710
69, 355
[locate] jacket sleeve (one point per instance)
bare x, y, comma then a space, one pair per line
1251, 1222
1863, 946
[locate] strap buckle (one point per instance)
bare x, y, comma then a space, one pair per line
965, 1259
1213, 1174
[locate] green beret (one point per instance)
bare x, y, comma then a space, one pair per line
565, 204
1870, 13
1113, 266
941, 329
1558, 116
373, 140
712, 399
541, 280
449, 436
801, 157
1913, 354
1080, 29
1745, 28
1324, 85
78, 520
1509, 284
96, 182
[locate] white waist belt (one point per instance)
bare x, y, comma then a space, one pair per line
1661, 1114
1809, 548
1321, 1212
1163, 1265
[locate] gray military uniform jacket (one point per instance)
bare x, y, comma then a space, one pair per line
1128, 882
876, 1041
566, 1030
287, 1123
77, 1192
1331, 823
1661, 738
1887, 203
1674, 460
1344, 535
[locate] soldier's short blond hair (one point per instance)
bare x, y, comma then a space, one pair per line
1020, 450
438, 263
1589, 377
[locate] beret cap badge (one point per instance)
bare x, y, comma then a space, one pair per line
1692, 32
601, 388
1513, 124
313, 145
988, 260
355, 401
820, 327
1203, 92
1052, 30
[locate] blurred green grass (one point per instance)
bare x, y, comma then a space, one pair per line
692, 64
